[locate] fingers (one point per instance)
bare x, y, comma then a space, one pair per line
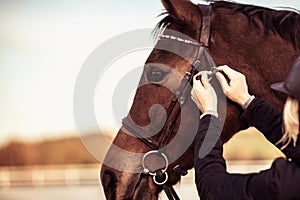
203, 77
195, 81
193, 94
231, 73
195, 99
203, 93
223, 82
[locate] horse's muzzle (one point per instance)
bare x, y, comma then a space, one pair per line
109, 183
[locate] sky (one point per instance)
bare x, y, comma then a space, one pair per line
43, 45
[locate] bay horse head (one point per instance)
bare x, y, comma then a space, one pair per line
259, 42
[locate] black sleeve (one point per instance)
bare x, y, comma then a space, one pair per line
269, 121
212, 180
281, 181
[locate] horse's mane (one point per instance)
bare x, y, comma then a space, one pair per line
286, 23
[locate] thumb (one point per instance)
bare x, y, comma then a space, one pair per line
204, 80
221, 78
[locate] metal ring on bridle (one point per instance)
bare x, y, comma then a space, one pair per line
163, 182
146, 170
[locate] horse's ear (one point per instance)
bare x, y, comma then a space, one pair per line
183, 10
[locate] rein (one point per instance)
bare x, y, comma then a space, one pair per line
203, 59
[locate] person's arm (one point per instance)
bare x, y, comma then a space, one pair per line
210, 170
268, 121
264, 118
258, 113
213, 160
212, 180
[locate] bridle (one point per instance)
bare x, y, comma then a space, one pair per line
160, 176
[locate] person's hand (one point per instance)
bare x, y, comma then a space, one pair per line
203, 94
236, 89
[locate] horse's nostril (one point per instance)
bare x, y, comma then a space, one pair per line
109, 182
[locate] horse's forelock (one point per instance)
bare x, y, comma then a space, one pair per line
162, 24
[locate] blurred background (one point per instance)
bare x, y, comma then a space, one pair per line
43, 45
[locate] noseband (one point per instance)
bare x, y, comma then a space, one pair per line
202, 61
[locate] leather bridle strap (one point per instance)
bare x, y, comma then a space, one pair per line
139, 133
202, 61
182, 94
206, 24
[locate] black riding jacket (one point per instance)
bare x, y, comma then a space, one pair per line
281, 181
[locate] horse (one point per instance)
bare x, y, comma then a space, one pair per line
260, 42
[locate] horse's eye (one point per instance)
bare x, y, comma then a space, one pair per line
156, 75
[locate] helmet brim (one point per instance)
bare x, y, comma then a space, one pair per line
280, 87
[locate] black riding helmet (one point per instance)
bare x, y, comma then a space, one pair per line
291, 84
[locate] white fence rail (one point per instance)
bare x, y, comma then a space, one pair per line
78, 175
62, 175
